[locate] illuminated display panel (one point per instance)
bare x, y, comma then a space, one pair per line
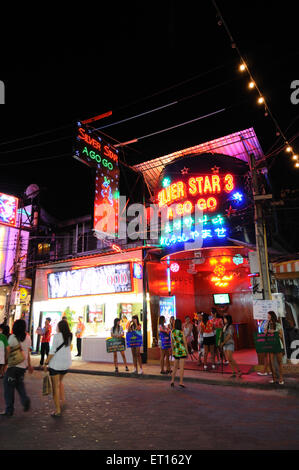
96, 153
106, 279
8, 210
214, 185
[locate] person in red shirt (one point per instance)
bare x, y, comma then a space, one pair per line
45, 341
79, 334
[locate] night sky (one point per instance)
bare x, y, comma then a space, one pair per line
63, 66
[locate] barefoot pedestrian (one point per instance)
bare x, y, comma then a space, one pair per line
18, 362
180, 351
59, 362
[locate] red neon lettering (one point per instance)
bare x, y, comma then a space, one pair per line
207, 185
108, 152
211, 203
199, 180
216, 184
188, 207
229, 180
192, 186
201, 204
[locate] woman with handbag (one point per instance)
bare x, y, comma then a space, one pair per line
19, 344
59, 361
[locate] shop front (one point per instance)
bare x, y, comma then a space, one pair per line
98, 288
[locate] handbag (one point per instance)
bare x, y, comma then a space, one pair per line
46, 384
16, 356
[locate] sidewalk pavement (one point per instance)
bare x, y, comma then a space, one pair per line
152, 371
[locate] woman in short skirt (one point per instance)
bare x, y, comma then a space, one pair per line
59, 362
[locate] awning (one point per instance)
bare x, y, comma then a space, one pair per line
286, 269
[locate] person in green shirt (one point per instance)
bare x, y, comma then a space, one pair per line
4, 350
179, 350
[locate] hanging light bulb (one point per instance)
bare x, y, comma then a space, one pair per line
242, 67
295, 157
297, 165
251, 85
288, 149
260, 100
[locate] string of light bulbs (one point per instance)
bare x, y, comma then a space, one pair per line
252, 84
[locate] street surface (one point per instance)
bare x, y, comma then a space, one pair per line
134, 414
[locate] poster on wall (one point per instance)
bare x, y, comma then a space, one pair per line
95, 313
106, 279
262, 307
167, 308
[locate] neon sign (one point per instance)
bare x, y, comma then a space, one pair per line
178, 231
199, 185
94, 152
8, 209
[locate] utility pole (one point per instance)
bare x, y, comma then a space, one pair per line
260, 231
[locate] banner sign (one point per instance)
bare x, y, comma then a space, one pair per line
165, 341
167, 308
115, 344
267, 343
134, 339
106, 279
262, 307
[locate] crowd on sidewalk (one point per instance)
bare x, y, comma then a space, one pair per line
206, 334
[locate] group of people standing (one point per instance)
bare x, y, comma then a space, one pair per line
208, 334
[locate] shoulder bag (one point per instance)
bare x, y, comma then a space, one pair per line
16, 356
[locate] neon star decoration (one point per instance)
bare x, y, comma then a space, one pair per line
215, 169
185, 171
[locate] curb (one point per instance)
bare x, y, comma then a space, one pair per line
291, 388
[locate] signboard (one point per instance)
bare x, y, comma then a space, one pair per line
96, 153
262, 307
267, 343
167, 308
202, 199
8, 210
106, 279
134, 339
115, 344
165, 340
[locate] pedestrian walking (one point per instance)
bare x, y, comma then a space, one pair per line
4, 350
45, 340
59, 361
228, 344
135, 326
180, 351
118, 332
19, 359
164, 353
272, 327
208, 332
79, 334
